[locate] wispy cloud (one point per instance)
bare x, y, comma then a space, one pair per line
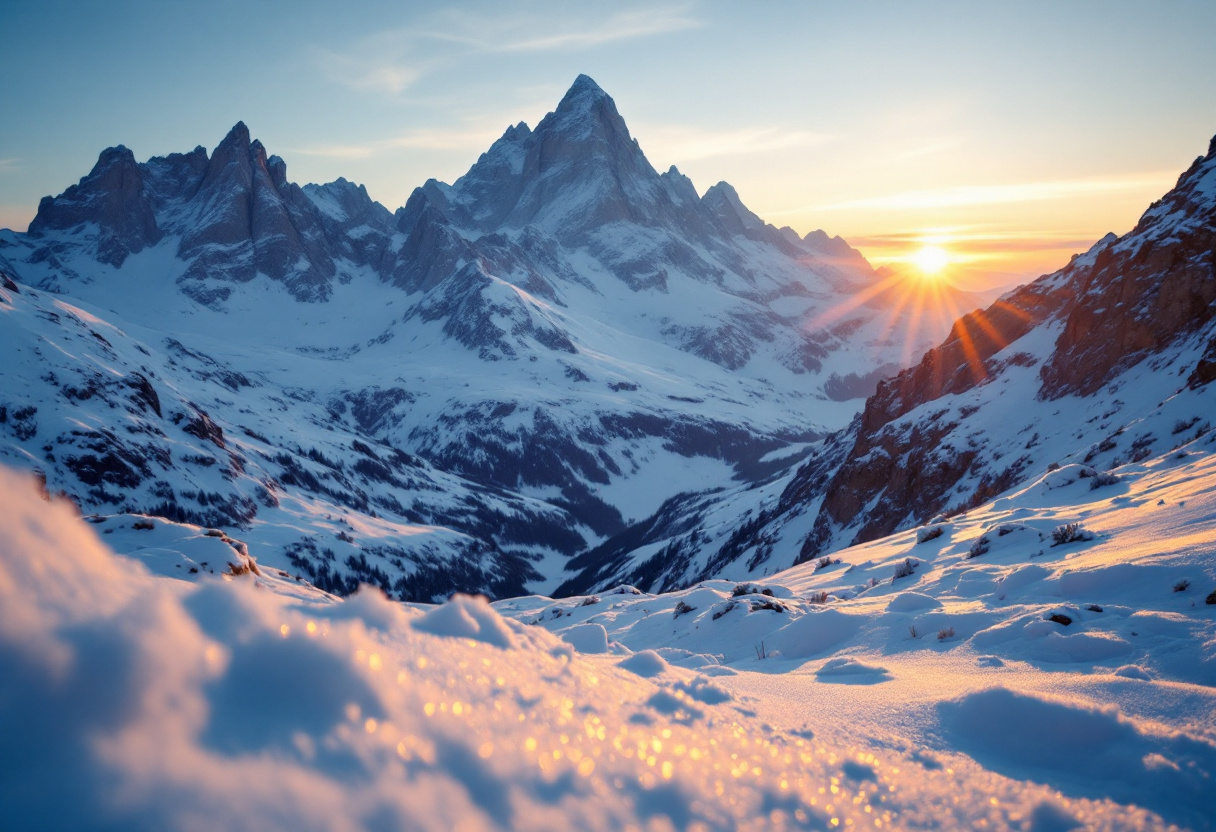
686, 144
928, 148
9, 165
965, 195
373, 70
391, 61
628, 25
472, 138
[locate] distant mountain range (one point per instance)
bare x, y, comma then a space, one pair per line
462, 394
562, 371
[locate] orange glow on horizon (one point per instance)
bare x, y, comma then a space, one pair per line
973, 258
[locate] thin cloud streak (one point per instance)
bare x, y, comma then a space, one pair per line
393, 61
496, 35
1010, 243
685, 144
384, 73
472, 139
621, 26
939, 146
965, 195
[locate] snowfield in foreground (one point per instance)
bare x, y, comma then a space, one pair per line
181, 686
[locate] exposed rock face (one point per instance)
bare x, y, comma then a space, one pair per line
1126, 300
236, 214
114, 197
247, 219
1144, 291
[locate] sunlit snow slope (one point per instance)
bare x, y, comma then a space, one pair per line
137, 694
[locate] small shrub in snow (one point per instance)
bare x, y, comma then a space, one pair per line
730, 605
1182, 585
1102, 480
681, 608
741, 589
767, 591
761, 652
912, 631
625, 589
905, 569
1183, 425
980, 547
1093, 608
820, 597
143, 525
1060, 618
1070, 533
824, 562
945, 633
589, 600
926, 533
757, 606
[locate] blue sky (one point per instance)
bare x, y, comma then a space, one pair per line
1010, 133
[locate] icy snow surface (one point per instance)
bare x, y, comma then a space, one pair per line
136, 692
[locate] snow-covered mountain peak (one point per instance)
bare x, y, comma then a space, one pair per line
586, 110
577, 171
563, 326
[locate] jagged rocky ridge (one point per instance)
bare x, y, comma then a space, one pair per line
1105, 363
463, 394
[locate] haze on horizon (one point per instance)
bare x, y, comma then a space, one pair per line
1009, 137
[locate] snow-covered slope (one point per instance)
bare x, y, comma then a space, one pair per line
1107, 362
1062, 634
133, 424
1005, 683
523, 363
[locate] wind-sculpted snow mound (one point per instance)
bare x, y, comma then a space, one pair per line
135, 701
1062, 634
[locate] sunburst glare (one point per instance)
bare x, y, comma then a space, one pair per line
931, 259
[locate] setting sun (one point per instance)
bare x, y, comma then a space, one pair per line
931, 259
